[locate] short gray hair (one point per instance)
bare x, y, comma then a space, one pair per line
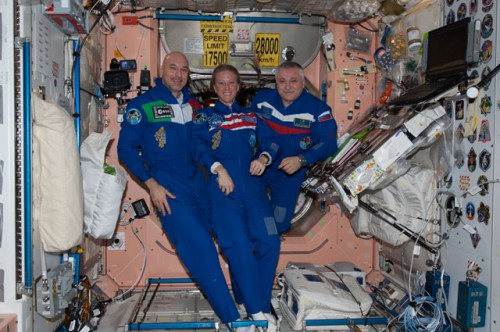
290, 65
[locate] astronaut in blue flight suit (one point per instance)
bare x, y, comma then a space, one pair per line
154, 145
224, 141
299, 129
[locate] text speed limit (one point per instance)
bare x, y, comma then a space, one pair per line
215, 49
267, 49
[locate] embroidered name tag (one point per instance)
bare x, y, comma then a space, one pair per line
250, 119
302, 123
163, 112
266, 112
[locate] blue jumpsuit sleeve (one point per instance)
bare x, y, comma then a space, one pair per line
201, 150
129, 142
264, 133
324, 134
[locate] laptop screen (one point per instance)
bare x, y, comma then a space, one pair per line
447, 50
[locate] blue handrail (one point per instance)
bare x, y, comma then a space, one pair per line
27, 162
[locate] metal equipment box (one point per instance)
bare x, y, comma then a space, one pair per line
471, 303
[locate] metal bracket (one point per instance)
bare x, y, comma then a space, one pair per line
23, 290
19, 41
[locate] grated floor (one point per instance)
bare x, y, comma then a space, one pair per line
174, 306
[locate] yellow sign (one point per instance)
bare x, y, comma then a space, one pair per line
215, 49
224, 26
267, 49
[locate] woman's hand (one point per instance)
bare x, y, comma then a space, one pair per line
224, 180
258, 166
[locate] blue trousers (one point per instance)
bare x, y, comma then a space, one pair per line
188, 230
284, 190
247, 235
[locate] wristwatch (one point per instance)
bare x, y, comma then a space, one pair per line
302, 160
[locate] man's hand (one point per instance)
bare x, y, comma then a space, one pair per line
224, 180
159, 196
290, 165
258, 166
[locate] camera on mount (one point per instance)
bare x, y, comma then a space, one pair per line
117, 80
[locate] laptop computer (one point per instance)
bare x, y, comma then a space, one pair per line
444, 62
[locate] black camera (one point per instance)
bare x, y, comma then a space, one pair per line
117, 80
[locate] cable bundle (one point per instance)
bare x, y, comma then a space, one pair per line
422, 315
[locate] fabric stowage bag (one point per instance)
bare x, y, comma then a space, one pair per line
103, 187
57, 178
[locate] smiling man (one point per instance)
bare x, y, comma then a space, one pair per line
298, 129
154, 145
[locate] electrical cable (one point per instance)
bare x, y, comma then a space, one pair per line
422, 316
368, 29
415, 244
143, 267
77, 53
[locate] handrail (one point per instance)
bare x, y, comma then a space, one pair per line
27, 162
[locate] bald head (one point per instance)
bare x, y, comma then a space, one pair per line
175, 72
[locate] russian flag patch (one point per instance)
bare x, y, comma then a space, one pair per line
325, 116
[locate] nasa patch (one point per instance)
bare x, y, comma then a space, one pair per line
215, 120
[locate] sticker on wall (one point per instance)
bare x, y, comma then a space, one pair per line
450, 18
471, 160
470, 211
460, 162
484, 73
448, 107
486, 105
461, 11
459, 110
473, 74
473, 271
484, 131
486, 51
475, 238
487, 26
243, 34
464, 182
487, 5
449, 2
483, 213
460, 132
472, 138
473, 7
482, 182
484, 160
448, 182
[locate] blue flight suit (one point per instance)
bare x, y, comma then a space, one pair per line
243, 220
154, 143
305, 127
